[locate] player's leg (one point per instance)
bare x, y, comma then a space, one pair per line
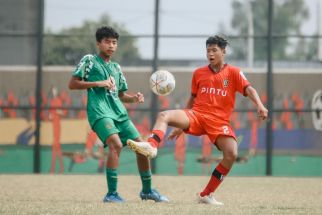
147, 192
114, 149
108, 133
129, 131
143, 164
175, 118
228, 146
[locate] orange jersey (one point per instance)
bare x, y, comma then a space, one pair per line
215, 92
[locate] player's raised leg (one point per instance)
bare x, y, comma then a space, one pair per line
174, 118
228, 146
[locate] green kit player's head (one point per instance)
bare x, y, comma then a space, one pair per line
106, 41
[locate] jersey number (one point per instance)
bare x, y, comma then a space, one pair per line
225, 129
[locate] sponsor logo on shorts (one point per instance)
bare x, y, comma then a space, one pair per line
108, 126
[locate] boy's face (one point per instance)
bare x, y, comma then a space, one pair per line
215, 54
107, 46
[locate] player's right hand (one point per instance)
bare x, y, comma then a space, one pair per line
262, 112
175, 133
108, 84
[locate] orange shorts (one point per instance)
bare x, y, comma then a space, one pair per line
201, 124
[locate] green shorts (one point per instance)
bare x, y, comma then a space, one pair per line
105, 127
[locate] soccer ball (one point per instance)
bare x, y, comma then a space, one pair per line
162, 82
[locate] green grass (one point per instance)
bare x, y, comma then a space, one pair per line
83, 194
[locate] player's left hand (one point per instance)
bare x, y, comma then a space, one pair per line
175, 133
139, 97
262, 112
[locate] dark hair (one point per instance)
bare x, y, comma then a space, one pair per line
105, 32
217, 40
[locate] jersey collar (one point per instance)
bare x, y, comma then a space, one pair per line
216, 72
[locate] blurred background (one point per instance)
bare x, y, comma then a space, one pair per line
277, 43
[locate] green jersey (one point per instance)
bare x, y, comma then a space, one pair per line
102, 102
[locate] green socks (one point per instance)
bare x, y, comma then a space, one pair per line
111, 177
146, 179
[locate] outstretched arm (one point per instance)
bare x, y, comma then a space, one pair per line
262, 112
126, 98
75, 83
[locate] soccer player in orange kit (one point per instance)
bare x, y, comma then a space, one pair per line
207, 112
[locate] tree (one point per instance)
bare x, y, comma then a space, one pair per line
287, 19
69, 45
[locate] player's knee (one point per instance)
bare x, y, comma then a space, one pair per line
115, 147
163, 116
231, 156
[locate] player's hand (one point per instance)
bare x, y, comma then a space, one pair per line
139, 97
175, 133
262, 112
108, 84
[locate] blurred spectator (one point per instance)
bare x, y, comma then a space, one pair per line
299, 106
144, 127
180, 153
235, 121
55, 115
164, 102
12, 100
32, 102
206, 154
82, 113
286, 116
131, 108
89, 145
1, 104
66, 101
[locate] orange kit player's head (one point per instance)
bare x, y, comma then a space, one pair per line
216, 50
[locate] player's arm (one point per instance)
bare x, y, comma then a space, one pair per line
127, 98
76, 83
253, 95
191, 101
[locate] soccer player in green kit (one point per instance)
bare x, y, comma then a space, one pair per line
106, 86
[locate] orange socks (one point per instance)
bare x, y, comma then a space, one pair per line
216, 178
156, 137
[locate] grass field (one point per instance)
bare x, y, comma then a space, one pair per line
82, 194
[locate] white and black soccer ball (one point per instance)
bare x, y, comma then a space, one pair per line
162, 82
317, 105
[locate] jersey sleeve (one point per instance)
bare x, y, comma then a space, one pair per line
194, 84
84, 67
123, 84
241, 82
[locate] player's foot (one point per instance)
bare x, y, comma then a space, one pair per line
143, 148
113, 198
208, 200
153, 195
